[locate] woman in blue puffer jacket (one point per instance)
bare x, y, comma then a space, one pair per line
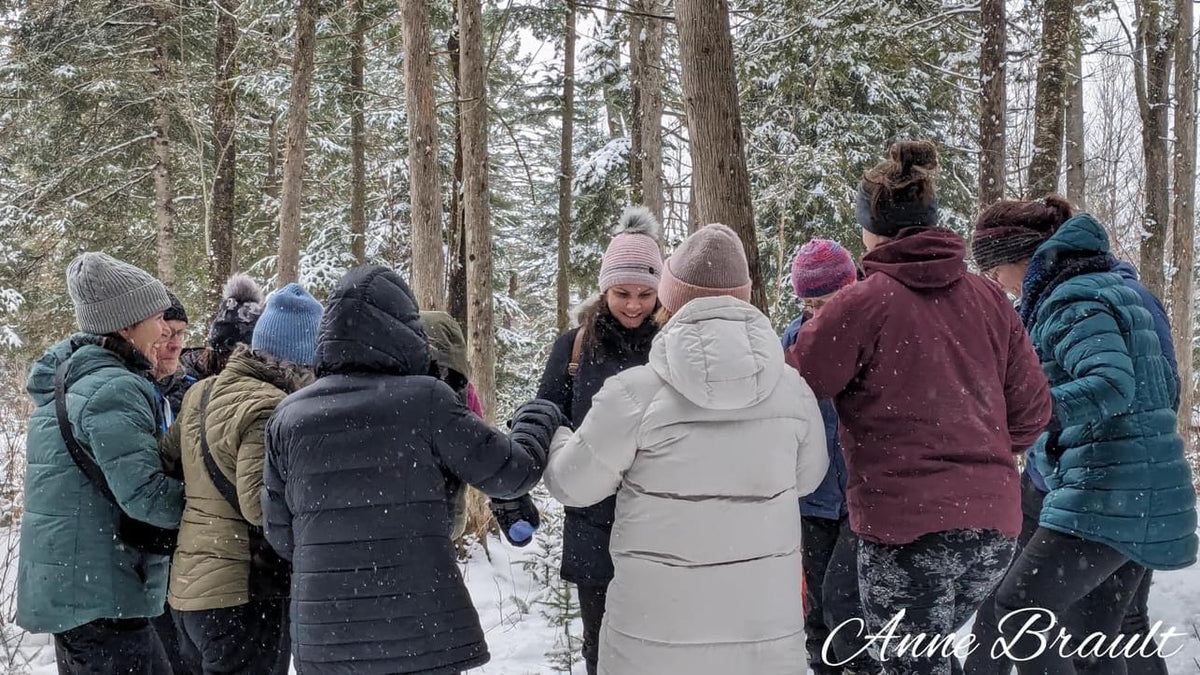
1119, 495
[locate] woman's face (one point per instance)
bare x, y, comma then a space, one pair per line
1010, 276
146, 336
631, 304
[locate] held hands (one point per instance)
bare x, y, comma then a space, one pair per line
518, 519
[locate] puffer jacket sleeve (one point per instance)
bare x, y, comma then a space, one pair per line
587, 466
556, 385
251, 456
832, 346
504, 467
812, 457
276, 515
1087, 343
123, 436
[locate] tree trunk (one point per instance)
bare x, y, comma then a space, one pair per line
1152, 77
1048, 111
428, 260
297, 131
358, 178
272, 181
1183, 226
224, 120
1073, 138
636, 120
565, 172
650, 90
720, 180
456, 300
481, 336
164, 208
993, 73
612, 112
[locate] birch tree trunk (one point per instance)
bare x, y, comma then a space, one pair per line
651, 92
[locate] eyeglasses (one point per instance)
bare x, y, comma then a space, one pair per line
175, 335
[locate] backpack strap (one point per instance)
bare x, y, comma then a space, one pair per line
222, 483
86, 463
576, 351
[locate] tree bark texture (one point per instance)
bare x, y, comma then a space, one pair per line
1152, 77
456, 280
565, 173
221, 216
650, 89
1183, 241
481, 335
297, 132
993, 73
164, 208
428, 259
636, 120
1049, 100
719, 176
1073, 141
358, 141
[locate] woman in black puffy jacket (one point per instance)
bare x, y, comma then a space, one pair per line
356, 491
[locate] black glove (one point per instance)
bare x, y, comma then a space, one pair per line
518, 519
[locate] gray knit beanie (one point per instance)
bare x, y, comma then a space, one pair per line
110, 295
708, 263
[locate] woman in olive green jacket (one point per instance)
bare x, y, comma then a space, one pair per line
81, 575
228, 588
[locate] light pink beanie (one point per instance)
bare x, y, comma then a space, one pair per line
634, 256
708, 263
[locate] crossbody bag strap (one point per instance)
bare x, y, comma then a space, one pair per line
86, 463
222, 483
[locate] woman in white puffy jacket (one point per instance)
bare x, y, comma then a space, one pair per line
708, 448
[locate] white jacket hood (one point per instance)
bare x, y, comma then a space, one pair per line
720, 353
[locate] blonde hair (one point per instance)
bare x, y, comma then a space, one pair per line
662, 316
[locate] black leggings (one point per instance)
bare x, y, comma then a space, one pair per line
591, 610
1088, 586
830, 552
986, 632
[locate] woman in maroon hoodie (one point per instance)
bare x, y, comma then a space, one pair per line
938, 388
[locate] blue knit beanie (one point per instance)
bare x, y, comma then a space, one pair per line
288, 326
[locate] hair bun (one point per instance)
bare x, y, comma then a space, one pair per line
909, 155
1061, 208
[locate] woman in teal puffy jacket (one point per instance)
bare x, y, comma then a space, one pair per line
80, 576
1120, 494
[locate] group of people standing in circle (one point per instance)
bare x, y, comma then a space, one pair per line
733, 499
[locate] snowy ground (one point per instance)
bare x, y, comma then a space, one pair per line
520, 637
